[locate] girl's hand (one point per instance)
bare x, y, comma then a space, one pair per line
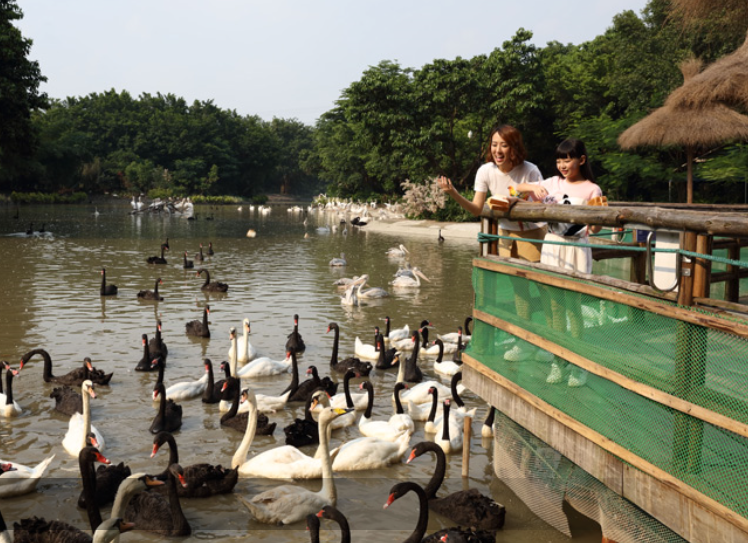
445, 184
538, 191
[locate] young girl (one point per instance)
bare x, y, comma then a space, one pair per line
575, 185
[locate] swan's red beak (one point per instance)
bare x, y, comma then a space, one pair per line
225, 386
150, 481
101, 458
389, 501
321, 512
154, 451
20, 366
182, 480
411, 457
125, 526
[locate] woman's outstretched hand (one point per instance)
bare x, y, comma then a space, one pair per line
445, 184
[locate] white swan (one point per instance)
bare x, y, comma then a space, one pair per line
366, 453
358, 401
265, 367
80, 425
419, 393
365, 350
422, 412
247, 352
410, 282
397, 252
287, 461
233, 351
8, 406
186, 390
450, 439
445, 367
350, 298
434, 349
323, 402
339, 261
388, 430
271, 404
287, 504
397, 333
22, 479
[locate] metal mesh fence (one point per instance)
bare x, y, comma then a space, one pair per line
697, 364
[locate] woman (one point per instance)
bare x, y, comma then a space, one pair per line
505, 172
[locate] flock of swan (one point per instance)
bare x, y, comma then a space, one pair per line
152, 502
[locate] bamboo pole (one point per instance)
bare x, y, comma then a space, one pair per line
467, 429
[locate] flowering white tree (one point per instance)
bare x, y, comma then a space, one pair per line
419, 198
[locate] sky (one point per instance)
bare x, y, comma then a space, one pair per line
277, 58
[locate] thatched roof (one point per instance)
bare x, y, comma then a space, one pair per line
671, 126
725, 81
677, 124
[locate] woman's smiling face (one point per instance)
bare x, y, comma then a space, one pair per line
501, 152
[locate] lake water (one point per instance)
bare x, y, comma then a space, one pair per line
50, 299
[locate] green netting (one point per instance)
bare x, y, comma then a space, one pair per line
700, 365
543, 479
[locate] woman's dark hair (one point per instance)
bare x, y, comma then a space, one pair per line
574, 148
513, 138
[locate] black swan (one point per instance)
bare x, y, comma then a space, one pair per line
210, 249
208, 286
198, 328
188, 264
152, 294
332, 513
295, 342
212, 393
9, 407
303, 431
163, 515
305, 389
170, 421
400, 489
158, 259
341, 366
466, 507
101, 484
145, 363
199, 258
238, 421
413, 373
67, 400
72, 378
106, 290
388, 358
39, 530
156, 346
203, 479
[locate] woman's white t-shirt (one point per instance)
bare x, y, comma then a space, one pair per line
491, 180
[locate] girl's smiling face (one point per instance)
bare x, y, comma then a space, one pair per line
501, 153
569, 167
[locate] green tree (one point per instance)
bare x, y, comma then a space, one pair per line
19, 97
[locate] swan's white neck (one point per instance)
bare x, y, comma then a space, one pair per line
86, 414
400, 372
328, 489
232, 356
240, 456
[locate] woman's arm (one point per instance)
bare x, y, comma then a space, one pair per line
536, 189
475, 207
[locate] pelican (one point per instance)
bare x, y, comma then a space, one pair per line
345, 282
369, 293
339, 261
397, 252
410, 282
351, 296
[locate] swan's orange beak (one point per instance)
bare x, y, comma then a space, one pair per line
389, 501
411, 457
125, 526
101, 458
150, 481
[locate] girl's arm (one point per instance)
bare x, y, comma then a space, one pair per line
475, 207
536, 189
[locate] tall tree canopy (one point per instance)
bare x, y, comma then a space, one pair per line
19, 96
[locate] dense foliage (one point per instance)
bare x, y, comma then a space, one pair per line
395, 123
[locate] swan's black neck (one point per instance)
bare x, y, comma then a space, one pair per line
179, 526
312, 524
162, 405
387, 327
9, 387
347, 388
235, 402
434, 404
173, 451
155, 287
445, 421
398, 405
294, 386
308, 407
457, 358
88, 477
211, 380
468, 320
206, 272
441, 466
333, 514
370, 398
47, 374
439, 358
160, 378
425, 337
489, 416
423, 513
334, 358
456, 378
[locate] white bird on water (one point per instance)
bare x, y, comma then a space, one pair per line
397, 252
339, 261
410, 282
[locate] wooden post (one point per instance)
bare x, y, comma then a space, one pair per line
732, 286
466, 446
493, 247
702, 267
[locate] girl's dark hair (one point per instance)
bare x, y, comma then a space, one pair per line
574, 148
513, 138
